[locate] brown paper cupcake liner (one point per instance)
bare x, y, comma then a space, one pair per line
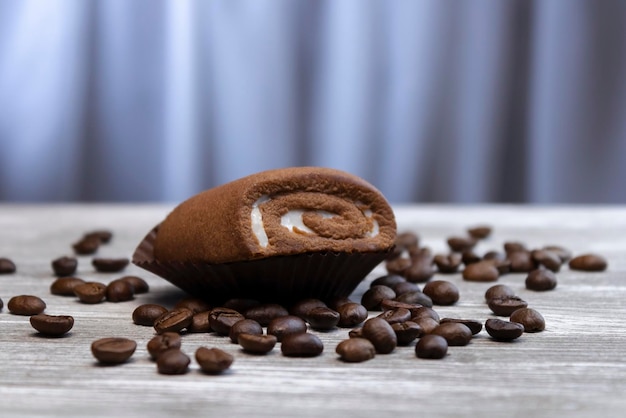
325, 276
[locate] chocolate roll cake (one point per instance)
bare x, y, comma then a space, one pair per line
293, 232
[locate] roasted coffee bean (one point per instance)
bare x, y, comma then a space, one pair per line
245, 326
351, 314
474, 326
398, 265
173, 362
507, 305
521, 261
514, 246
241, 304
389, 280
1, 304
420, 271
163, 342
222, 319
415, 298
263, 314
195, 305
109, 265
301, 345
548, 259
139, 285
425, 312
541, 279
531, 319
286, 325
588, 262
337, 303
479, 231
302, 308
448, 263
213, 360
387, 305
380, 333
482, 271
442, 292
563, 253
103, 235
426, 324
503, 330
406, 332
455, 333
469, 257
431, 347
113, 350
373, 296
86, 246
405, 287
119, 291
494, 255
173, 321
64, 286
323, 318
393, 316
499, 291
460, 244
356, 350
52, 325
90, 292
200, 323
26, 305
7, 266
257, 344
64, 266
356, 332
407, 239
147, 313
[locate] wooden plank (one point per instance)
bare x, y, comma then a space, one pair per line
576, 367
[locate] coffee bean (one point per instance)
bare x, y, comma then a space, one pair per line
263, 314
421, 270
479, 231
356, 332
222, 319
90, 292
257, 344
563, 253
301, 345
119, 291
200, 323
499, 291
52, 325
387, 305
521, 261
548, 259
302, 308
393, 316
407, 239
373, 296
173, 321
355, 350
448, 263
113, 350
26, 305
405, 287
474, 326
240, 304
64, 286
588, 262
6, 266
415, 298
351, 314
442, 292
147, 313
245, 326
1, 304
531, 319
380, 333
162, 343
460, 244
426, 324
398, 265
103, 235
425, 312
323, 318
86, 246
503, 330
287, 325
482, 271
431, 347
213, 360
406, 332
195, 305
64, 266
455, 333
172, 362
541, 279
470, 257
337, 303
494, 255
139, 284
514, 246
507, 305
109, 265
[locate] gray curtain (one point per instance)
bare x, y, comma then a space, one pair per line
446, 101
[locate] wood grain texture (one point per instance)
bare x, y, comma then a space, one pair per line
576, 367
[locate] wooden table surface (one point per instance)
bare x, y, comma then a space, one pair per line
576, 367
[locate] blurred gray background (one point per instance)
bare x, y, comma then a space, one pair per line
431, 101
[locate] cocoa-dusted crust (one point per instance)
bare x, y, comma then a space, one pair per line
215, 225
